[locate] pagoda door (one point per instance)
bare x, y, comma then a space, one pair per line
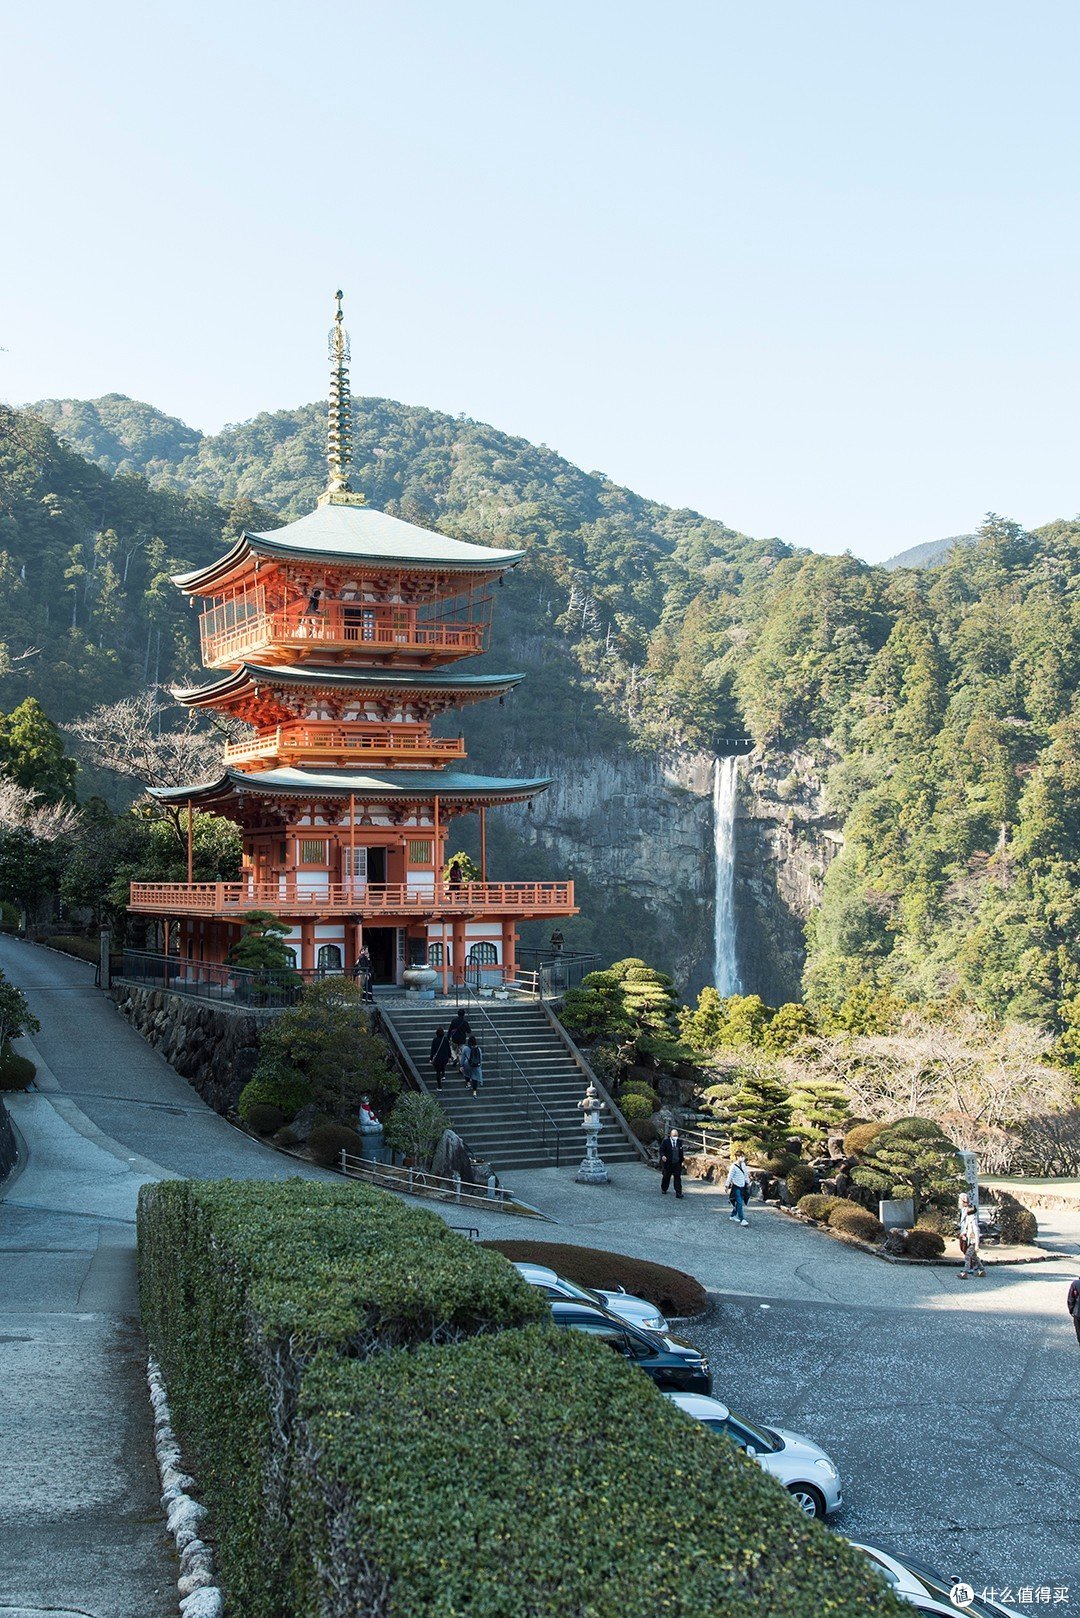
354, 870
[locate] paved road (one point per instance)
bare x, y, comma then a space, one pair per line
81, 1528
952, 1408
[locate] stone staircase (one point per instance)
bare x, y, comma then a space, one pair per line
505, 1124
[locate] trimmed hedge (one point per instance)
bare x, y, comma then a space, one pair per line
859, 1137
83, 949
288, 1091
923, 1243
801, 1182
855, 1221
635, 1108
264, 1118
327, 1143
242, 1284
537, 1475
16, 1072
672, 1291
817, 1206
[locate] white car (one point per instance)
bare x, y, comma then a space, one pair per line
931, 1592
806, 1472
635, 1311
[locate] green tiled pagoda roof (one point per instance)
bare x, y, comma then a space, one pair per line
237, 680
378, 787
347, 533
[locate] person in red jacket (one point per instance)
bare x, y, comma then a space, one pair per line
1073, 1305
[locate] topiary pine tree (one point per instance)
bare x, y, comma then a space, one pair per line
761, 1108
649, 997
818, 1105
912, 1152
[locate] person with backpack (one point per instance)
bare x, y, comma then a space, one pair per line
472, 1064
737, 1186
969, 1239
458, 1033
440, 1054
1072, 1303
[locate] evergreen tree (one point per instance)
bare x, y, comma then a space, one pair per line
761, 1109
912, 1157
32, 753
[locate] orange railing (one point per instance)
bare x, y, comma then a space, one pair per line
285, 897
336, 625
329, 738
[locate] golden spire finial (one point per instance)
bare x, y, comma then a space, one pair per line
338, 437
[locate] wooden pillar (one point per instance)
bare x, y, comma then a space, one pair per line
352, 844
509, 949
483, 844
307, 946
190, 847
458, 930
445, 962
437, 863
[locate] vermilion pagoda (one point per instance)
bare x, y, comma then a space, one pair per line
339, 638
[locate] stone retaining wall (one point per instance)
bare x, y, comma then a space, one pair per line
8, 1149
214, 1047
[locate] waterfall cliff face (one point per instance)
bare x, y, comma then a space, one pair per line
724, 804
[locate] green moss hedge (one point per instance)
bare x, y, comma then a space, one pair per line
535, 1475
242, 1284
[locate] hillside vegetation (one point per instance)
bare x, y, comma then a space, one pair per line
943, 700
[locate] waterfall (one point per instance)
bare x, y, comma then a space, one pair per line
725, 792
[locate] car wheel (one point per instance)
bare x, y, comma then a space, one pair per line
808, 1500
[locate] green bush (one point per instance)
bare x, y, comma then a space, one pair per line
279, 1087
635, 1107
645, 1130
943, 1220
780, 1164
801, 1182
855, 1221
923, 1243
9, 917
242, 1284
16, 1072
638, 1087
264, 1118
286, 1137
327, 1143
84, 949
567, 1451
1017, 1224
416, 1126
915, 1152
816, 1206
859, 1137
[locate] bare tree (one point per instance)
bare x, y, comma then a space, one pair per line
21, 810
130, 738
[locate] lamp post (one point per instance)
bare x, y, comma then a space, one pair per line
592, 1170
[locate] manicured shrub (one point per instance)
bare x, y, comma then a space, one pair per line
241, 1284
581, 1451
635, 1107
327, 1143
415, 1127
915, 1152
1017, 1224
779, 1164
801, 1182
816, 1206
264, 1118
280, 1087
16, 1072
286, 1137
923, 1243
84, 949
859, 1136
672, 1291
646, 1130
855, 1221
638, 1087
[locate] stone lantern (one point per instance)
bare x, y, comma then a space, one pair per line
592, 1170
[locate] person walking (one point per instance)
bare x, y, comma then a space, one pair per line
458, 1033
969, 1239
672, 1157
472, 1064
441, 1055
1072, 1303
736, 1186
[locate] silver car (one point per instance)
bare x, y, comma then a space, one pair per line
932, 1592
806, 1472
635, 1311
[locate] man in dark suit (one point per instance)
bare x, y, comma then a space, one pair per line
671, 1162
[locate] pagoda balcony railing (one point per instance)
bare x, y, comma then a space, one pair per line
336, 626
287, 897
325, 741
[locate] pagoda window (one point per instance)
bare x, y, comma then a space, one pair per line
313, 851
483, 954
329, 958
420, 851
435, 954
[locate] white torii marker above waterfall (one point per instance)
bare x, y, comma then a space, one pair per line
725, 794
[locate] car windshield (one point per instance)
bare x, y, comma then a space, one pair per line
570, 1289
747, 1432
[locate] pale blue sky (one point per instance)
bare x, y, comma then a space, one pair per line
807, 265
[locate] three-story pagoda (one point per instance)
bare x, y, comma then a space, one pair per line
339, 638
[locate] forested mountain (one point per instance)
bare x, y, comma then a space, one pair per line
929, 554
941, 701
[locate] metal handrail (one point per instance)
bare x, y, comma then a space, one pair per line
415, 1182
471, 996
600, 1088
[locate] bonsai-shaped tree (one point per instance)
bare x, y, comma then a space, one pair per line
818, 1105
261, 949
415, 1127
761, 1108
597, 1010
912, 1157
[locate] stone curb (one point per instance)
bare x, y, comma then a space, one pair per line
989, 1262
200, 1597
